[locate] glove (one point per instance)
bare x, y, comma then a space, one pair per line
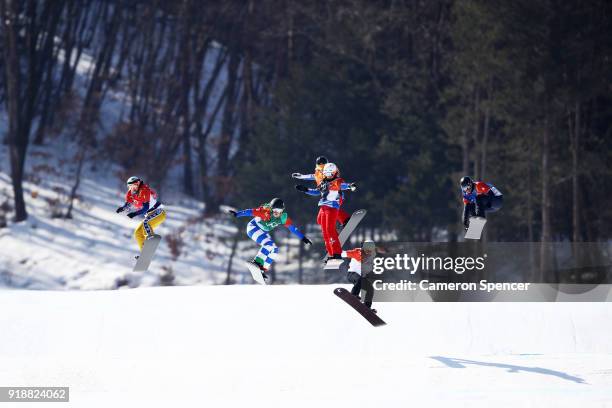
233, 212
296, 175
306, 241
120, 209
353, 186
301, 188
131, 215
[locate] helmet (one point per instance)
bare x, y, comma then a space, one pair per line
277, 204
132, 180
330, 170
466, 182
321, 160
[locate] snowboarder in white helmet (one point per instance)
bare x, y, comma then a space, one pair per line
331, 192
144, 202
317, 177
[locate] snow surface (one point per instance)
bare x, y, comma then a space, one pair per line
300, 346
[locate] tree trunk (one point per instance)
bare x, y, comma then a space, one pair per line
465, 168
99, 82
187, 166
228, 273
575, 196
529, 276
476, 119
201, 106
300, 264
185, 58
546, 228
77, 182
228, 126
17, 138
246, 109
203, 159
465, 151
485, 132
46, 107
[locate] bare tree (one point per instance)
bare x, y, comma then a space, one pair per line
29, 43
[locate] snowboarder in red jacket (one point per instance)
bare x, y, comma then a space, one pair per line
318, 178
144, 202
331, 192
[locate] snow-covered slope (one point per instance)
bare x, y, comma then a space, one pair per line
96, 249
300, 346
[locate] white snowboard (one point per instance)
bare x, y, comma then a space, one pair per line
256, 273
146, 255
475, 229
333, 264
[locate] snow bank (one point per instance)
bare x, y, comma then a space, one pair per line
300, 345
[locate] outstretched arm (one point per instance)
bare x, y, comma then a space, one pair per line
306, 190
348, 186
295, 231
301, 176
243, 213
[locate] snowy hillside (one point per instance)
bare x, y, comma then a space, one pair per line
96, 249
299, 346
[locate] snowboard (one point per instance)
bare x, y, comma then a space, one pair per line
362, 309
256, 273
344, 235
146, 255
333, 264
475, 229
350, 226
